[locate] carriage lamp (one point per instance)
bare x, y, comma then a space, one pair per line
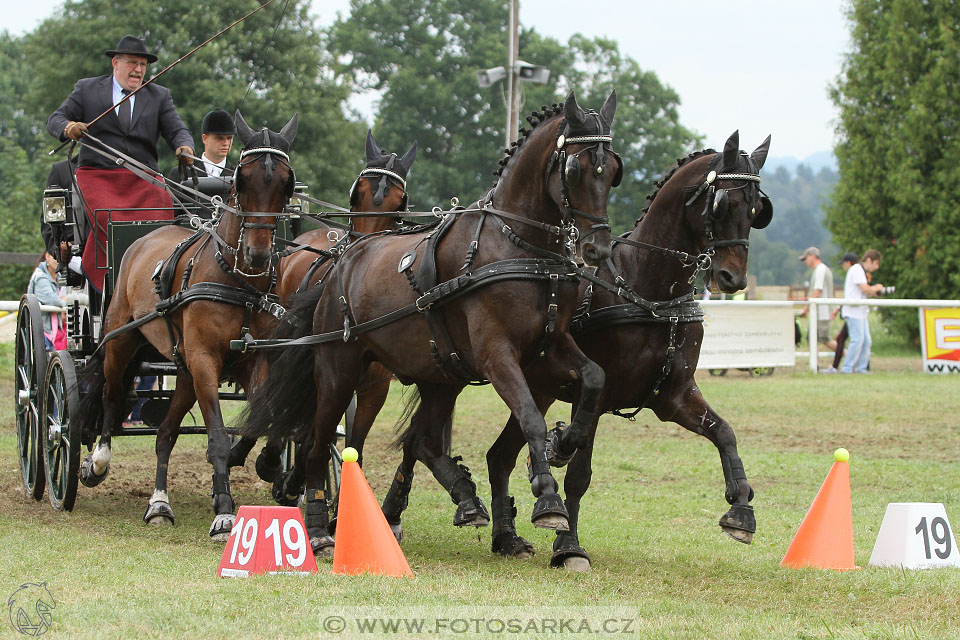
297, 203
55, 205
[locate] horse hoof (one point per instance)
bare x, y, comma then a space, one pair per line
397, 530
739, 523
739, 535
220, 529
552, 521
159, 513
509, 545
471, 513
568, 554
88, 477
576, 564
322, 546
268, 470
550, 513
555, 456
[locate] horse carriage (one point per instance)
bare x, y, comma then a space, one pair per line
52, 399
425, 305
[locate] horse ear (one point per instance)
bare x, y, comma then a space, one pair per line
731, 149
407, 160
373, 151
759, 155
289, 131
574, 114
609, 108
243, 129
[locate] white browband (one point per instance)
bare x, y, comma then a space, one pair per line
386, 172
271, 150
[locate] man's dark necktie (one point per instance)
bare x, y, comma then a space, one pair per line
125, 112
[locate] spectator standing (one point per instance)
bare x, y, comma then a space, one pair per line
856, 287
821, 286
43, 285
848, 260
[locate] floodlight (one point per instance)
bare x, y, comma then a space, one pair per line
489, 76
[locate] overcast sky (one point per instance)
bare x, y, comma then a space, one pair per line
761, 66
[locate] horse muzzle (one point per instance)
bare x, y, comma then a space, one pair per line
729, 281
593, 254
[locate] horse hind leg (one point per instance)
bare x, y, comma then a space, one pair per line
697, 416
397, 498
159, 511
430, 428
501, 460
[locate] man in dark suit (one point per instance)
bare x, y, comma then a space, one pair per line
217, 131
133, 127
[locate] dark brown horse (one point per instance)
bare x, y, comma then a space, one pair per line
645, 330
380, 187
217, 291
441, 309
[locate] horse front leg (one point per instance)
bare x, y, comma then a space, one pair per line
371, 396
501, 460
115, 382
336, 380
507, 378
564, 361
158, 510
690, 410
567, 552
205, 369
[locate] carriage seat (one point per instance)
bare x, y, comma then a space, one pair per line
210, 186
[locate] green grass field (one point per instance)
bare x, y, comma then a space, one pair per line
660, 562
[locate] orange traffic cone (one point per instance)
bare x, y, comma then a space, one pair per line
364, 541
825, 537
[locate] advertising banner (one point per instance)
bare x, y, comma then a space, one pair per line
940, 340
746, 336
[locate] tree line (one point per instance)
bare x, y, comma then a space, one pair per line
419, 56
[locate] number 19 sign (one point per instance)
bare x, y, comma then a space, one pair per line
915, 535
267, 540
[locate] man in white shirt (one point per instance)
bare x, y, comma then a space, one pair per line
856, 287
821, 286
217, 134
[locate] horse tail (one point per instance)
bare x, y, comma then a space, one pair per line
90, 383
284, 403
414, 429
410, 406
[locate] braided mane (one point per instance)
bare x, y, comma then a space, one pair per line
535, 118
659, 184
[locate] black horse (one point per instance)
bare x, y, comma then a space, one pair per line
439, 309
642, 326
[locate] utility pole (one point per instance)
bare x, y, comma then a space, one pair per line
513, 76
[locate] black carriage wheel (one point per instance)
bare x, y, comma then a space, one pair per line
717, 372
61, 434
30, 363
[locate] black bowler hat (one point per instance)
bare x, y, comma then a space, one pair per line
133, 46
218, 122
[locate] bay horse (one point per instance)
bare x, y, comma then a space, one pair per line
380, 188
454, 318
641, 324
216, 291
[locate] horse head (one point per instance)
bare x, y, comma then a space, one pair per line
588, 168
722, 201
566, 165
381, 186
263, 184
